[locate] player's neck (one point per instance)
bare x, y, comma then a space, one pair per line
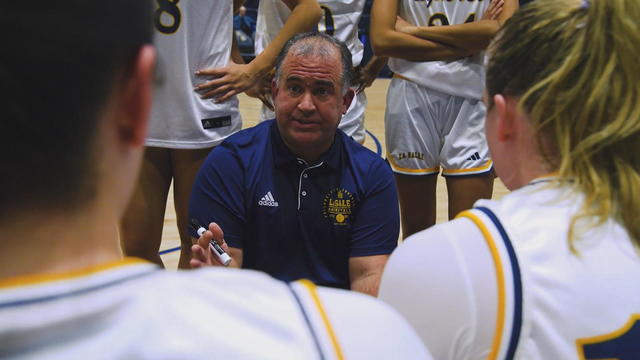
54, 243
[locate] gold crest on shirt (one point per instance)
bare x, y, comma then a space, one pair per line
338, 205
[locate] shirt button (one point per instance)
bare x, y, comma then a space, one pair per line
305, 176
304, 193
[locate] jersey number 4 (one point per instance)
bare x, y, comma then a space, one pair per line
441, 19
622, 344
167, 16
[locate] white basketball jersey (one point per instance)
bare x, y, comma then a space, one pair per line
508, 285
340, 19
134, 310
464, 77
191, 35
570, 305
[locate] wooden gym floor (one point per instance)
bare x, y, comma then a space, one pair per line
374, 123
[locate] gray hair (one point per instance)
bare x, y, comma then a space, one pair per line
314, 44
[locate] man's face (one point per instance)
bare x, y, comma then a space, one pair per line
309, 102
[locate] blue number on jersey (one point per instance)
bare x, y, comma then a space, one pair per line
623, 344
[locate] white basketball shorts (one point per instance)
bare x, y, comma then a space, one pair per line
426, 129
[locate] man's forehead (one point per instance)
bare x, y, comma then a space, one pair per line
311, 68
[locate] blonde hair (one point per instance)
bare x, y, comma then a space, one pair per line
576, 67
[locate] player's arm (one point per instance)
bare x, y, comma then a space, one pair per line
386, 41
472, 36
236, 57
365, 273
236, 78
443, 280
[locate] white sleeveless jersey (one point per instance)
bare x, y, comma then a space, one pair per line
191, 35
464, 77
340, 19
134, 310
501, 282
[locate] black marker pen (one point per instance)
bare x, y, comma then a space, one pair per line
224, 258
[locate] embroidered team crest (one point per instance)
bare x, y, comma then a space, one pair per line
338, 205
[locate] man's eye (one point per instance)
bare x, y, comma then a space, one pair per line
322, 92
295, 89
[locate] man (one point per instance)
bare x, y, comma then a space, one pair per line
340, 20
296, 197
243, 22
194, 41
65, 291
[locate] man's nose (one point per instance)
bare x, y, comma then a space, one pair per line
306, 104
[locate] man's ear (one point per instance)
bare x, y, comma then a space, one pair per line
506, 108
274, 89
347, 98
136, 92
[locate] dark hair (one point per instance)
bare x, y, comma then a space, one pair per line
58, 63
313, 39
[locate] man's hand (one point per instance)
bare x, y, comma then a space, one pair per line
226, 81
201, 252
493, 11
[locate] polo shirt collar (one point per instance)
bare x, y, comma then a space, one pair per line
283, 155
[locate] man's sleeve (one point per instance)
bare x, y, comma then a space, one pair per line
217, 195
377, 225
443, 281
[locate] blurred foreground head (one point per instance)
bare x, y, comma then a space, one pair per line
61, 62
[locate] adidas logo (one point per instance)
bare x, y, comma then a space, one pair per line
475, 156
268, 200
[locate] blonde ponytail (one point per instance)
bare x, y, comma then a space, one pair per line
576, 66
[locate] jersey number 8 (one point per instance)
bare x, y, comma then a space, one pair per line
171, 9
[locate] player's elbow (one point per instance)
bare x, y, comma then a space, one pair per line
382, 43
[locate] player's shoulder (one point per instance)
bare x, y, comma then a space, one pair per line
386, 334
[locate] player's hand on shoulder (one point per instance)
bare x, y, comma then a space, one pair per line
201, 252
223, 83
494, 10
366, 75
262, 90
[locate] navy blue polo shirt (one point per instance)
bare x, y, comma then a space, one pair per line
293, 219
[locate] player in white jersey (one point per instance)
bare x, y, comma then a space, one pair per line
194, 40
65, 290
340, 20
551, 270
434, 115
132, 309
